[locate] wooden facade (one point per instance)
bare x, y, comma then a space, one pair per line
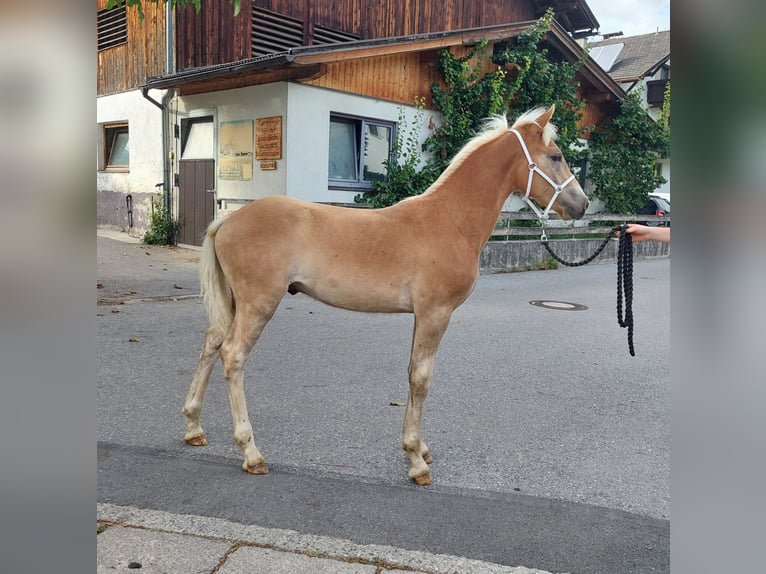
399, 78
213, 36
387, 18
126, 66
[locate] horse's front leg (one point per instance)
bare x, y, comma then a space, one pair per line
426, 337
195, 436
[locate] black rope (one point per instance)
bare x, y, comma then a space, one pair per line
584, 261
625, 281
624, 276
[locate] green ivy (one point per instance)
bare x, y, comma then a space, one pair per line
404, 176
539, 78
623, 154
526, 76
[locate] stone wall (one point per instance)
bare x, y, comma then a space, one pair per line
509, 256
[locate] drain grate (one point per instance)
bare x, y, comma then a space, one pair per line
558, 305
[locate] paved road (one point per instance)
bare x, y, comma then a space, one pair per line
552, 444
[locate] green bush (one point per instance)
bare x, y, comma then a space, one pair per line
162, 229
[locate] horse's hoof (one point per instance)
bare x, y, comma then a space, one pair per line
423, 479
428, 458
260, 468
199, 440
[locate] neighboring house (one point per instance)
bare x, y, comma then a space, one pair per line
299, 98
640, 63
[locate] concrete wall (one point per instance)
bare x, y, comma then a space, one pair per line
243, 104
509, 256
308, 134
302, 172
145, 167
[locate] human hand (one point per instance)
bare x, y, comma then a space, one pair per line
640, 233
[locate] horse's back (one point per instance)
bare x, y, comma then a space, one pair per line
375, 260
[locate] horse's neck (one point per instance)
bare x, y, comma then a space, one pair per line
474, 193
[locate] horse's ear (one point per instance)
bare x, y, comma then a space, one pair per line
546, 116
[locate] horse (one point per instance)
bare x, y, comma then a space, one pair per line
419, 256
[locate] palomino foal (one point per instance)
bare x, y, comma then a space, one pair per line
419, 256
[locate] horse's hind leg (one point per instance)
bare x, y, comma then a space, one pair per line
195, 436
427, 335
249, 322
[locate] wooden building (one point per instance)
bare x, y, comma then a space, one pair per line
299, 97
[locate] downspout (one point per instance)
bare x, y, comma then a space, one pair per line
163, 106
168, 39
167, 162
167, 180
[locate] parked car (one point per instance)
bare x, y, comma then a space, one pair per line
655, 205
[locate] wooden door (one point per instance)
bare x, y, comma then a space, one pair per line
196, 205
196, 179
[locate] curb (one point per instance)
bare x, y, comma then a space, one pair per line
334, 554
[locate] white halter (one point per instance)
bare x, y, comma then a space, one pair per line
557, 187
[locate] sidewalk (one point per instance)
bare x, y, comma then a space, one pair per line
159, 542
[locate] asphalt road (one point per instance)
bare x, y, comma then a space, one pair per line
551, 443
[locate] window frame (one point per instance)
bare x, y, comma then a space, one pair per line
186, 129
110, 133
360, 124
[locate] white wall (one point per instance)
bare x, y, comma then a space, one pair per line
301, 172
308, 135
145, 142
244, 104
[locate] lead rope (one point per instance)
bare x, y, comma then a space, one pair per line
624, 275
625, 281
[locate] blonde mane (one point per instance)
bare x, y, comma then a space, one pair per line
494, 127
530, 117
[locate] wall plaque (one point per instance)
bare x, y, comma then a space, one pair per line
235, 150
268, 138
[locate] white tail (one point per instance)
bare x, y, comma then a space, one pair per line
215, 289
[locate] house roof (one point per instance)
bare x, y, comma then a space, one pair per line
576, 16
639, 56
306, 61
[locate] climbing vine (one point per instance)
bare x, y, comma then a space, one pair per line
525, 76
623, 154
405, 176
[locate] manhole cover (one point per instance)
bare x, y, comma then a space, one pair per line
558, 305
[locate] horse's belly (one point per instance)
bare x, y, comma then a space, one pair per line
354, 295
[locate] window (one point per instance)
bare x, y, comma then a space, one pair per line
112, 27
198, 138
359, 149
116, 148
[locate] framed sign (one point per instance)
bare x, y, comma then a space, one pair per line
268, 138
235, 150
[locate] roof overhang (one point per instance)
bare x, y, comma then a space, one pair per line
576, 15
308, 62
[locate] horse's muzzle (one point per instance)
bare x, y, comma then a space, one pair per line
574, 203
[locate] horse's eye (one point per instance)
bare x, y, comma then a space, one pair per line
557, 158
